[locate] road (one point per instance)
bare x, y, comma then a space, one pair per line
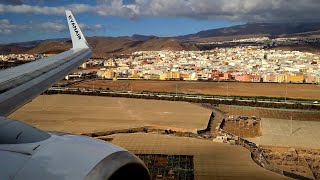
189, 96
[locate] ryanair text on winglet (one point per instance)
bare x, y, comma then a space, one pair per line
74, 27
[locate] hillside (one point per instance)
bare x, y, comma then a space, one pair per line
24, 47
157, 44
108, 46
253, 30
302, 48
12, 49
51, 47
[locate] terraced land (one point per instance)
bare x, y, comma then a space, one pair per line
305, 162
210, 160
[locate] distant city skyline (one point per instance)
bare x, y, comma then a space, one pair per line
27, 20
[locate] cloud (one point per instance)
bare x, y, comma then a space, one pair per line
245, 10
117, 8
51, 26
23, 8
6, 27
93, 28
237, 10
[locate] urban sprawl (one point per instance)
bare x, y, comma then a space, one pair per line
244, 64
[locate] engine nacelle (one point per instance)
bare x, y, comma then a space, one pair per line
29, 153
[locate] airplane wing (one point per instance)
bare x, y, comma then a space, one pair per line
19, 85
29, 153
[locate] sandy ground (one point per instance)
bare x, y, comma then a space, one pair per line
85, 114
304, 91
273, 113
211, 160
277, 132
81, 114
244, 129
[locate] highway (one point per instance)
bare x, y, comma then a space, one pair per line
188, 96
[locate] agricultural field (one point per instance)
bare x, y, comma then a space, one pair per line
287, 133
305, 162
162, 166
301, 115
87, 114
244, 129
210, 160
303, 91
92, 114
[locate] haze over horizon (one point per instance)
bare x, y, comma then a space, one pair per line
27, 20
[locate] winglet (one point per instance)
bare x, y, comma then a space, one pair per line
78, 40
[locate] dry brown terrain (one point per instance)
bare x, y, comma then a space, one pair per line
302, 48
81, 114
300, 115
86, 114
102, 46
305, 162
286, 133
108, 46
242, 129
224, 38
305, 91
50, 48
11, 49
211, 160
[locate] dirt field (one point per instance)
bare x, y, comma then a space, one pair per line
304, 91
85, 114
162, 166
305, 162
211, 160
278, 132
301, 115
242, 129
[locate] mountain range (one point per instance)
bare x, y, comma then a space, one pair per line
108, 46
254, 30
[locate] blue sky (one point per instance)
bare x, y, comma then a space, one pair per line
25, 20
111, 25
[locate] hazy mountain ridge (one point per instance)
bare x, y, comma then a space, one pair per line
255, 30
109, 46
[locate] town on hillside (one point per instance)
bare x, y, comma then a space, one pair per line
242, 63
